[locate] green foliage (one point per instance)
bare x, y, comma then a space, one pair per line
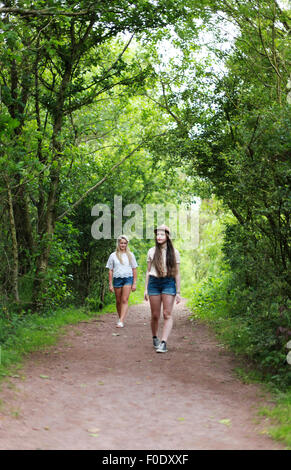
246, 310
82, 103
69, 113
231, 129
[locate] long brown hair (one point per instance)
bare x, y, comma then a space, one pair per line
171, 263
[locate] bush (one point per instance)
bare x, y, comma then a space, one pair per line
245, 298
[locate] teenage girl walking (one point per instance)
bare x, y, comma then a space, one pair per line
162, 285
122, 276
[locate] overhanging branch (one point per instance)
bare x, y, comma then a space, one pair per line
43, 12
103, 179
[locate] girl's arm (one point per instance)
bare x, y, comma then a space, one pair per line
178, 284
110, 275
134, 273
146, 296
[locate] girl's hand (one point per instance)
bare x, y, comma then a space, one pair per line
111, 288
133, 287
178, 298
146, 295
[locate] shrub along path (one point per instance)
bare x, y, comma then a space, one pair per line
106, 388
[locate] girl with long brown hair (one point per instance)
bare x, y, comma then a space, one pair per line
162, 285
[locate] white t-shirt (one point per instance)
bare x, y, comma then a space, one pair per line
121, 270
150, 258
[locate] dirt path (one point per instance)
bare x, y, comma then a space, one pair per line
102, 391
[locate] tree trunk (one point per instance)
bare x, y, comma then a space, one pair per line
48, 226
14, 243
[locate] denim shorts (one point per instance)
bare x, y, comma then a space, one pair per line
161, 285
122, 281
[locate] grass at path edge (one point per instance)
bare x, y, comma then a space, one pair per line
39, 332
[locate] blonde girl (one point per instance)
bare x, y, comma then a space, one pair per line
122, 276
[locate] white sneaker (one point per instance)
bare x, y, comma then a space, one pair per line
162, 348
119, 324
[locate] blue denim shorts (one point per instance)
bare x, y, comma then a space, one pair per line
122, 281
161, 285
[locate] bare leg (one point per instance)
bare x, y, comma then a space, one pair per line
124, 302
155, 302
118, 300
168, 303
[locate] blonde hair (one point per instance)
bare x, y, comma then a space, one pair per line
127, 251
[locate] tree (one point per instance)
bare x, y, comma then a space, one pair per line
45, 56
231, 129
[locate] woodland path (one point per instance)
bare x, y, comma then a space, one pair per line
102, 387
